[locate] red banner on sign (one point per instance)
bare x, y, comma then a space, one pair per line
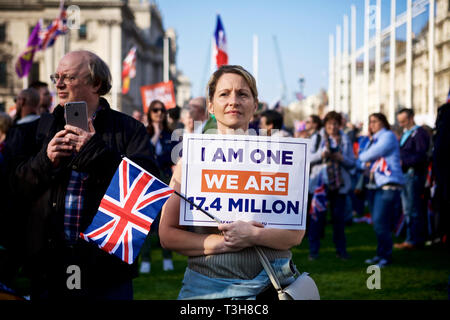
160, 91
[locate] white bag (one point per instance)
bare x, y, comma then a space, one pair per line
303, 288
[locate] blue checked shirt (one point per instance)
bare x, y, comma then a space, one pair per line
74, 201
76, 190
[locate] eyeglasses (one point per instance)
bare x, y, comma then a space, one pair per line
65, 78
156, 110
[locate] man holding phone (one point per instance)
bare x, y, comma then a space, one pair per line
64, 177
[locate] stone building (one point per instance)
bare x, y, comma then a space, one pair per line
388, 73
110, 28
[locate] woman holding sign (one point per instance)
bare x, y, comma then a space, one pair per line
222, 262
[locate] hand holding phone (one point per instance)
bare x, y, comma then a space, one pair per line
79, 130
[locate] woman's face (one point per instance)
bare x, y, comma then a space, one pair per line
188, 122
157, 113
375, 125
232, 104
332, 127
310, 125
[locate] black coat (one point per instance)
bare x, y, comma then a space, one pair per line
441, 159
44, 188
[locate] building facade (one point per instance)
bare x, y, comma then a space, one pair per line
388, 73
109, 28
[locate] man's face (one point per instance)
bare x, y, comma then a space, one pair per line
263, 124
404, 121
309, 124
20, 101
73, 83
45, 98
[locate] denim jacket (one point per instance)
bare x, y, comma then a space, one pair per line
384, 145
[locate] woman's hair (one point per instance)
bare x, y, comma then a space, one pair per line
316, 119
212, 83
332, 115
5, 122
382, 118
165, 125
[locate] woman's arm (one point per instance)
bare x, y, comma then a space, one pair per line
241, 234
384, 146
175, 237
348, 157
236, 236
315, 156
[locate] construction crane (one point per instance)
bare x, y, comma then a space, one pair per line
281, 69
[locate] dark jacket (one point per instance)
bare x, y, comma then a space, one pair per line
164, 158
45, 188
441, 159
414, 152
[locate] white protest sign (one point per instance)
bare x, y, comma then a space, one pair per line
240, 177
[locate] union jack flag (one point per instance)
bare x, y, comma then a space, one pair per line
319, 200
57, 27
127, 210
381, 166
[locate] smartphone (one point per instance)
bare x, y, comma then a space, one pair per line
76, 114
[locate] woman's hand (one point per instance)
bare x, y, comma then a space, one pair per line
240, 234
337, 156
325, 154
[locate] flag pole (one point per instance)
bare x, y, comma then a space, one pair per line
255, 58
198, 207
166, 59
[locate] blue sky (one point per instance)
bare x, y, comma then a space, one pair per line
301, 27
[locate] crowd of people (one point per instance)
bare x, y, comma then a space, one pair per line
393, 177
56, 174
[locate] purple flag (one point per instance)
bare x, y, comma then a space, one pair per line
25, 60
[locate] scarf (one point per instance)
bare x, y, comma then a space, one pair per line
333, 167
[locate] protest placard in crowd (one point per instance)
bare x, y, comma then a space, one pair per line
162, 91
241, 177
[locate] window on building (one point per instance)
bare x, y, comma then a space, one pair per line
2, 32
82, 32
3, 74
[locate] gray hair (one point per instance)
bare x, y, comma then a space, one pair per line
99, 72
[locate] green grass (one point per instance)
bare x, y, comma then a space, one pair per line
415, 275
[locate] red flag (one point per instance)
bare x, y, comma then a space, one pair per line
128, 70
